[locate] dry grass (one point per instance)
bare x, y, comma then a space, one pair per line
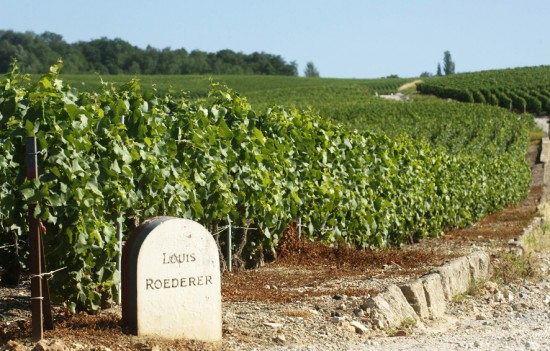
298, 313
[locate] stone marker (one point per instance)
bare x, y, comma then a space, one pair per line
171, 284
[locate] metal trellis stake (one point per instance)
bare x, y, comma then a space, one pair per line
119, 239
229, 253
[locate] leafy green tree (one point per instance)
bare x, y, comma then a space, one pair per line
35, 53
311, 70
439, 73
448, 64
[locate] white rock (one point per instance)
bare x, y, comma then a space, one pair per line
360, 328
508, 295
499, 297
532, 345
273, 325
491, 287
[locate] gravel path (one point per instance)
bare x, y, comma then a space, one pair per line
510, 317
519, 321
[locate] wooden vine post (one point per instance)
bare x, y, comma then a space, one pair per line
39, 307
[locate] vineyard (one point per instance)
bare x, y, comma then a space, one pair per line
261, 91
522, 89
116, 156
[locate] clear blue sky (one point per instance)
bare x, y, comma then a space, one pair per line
344, 38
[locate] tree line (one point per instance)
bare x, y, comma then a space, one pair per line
35, 53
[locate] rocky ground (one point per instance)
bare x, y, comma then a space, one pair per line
513, 316
314, 298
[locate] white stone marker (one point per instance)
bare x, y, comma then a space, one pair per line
171, 283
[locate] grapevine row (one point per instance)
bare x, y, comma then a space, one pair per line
520, 89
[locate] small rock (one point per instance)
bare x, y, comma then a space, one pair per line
364, 306
43, 345
508, 295
267, 286
359, 327
358, 313
532, 345
491, 287
280, 338
228, 330
14, 346
338, 297
58, 346
104, 348
480, 317
401, 332
337, 319
499, 297
40, 346
378, 323
348, 326
273, 325
141, 346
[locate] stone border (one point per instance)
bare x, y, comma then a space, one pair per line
544, 157
426, 298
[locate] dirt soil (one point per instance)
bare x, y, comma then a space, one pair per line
307, 282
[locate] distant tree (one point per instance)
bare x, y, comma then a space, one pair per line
425, 75
311, 70
292, 69
448, 64
439, 73
392, 76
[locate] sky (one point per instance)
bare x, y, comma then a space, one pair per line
343, 38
